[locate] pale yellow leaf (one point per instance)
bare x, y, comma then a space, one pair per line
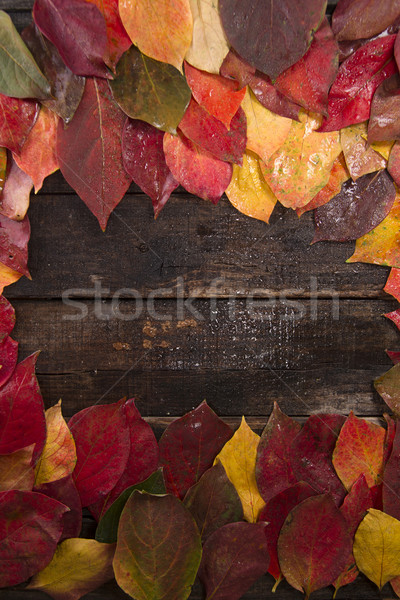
209, 45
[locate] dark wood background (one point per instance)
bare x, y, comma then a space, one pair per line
250, 313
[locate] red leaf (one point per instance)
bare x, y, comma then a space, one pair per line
20, 397
78, 31
355, 19
395, 317
394, 163
8, 359
394, 356
142, 459
311, 454
218, 95
211, 135
118, 40
314, 544
64, 490
17, 117
308, 81
384, 122
30, 527
16, 472
270, 97
144, 161
90, 153
391, 480
236, 68
14, 200
102, 441
393, 284
389, 438
197, 170
189, 446
14, 238
358, 78
275, 513
234, 557
273, 469
7, 317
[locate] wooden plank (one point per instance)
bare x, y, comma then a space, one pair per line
207, 250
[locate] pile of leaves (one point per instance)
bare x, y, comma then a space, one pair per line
312, 504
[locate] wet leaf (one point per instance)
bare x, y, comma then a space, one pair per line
238, 457
270, 36
14, 200
16, 472
308, 558
394, 316
102, 442
301, 167
14, 238
189, 446
150, 90
195, 169
118, 40
248, 191
211, 135
236, 68
170, 23
358, 208
8, 359
64, 490
393, 284
360, 157
209, 46
388, 386
359, 76
273, 468
30, 527
308, 81
359, 451
90, 154
356, 19
17, 118
78, 567
107, 529
270, 97
7, 318
20, 76
234, 557
213, 501
18, 398
384, 123
311, 454
78, 31
58, 458
391, 480
158, 549
66, 87
144, 161
377, 547
394, 163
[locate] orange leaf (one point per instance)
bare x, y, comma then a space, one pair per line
118, 40
359, 155
16, 472
7, 276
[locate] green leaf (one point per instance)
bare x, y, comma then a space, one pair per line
20, 77
149, 90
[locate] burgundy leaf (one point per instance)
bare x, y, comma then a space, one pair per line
394, 356
391, 480
64, 490
394, 163
7, 318
356, 19
384, 122
236, 68
270, 97
390, 435
14, 238
17, 117
8, 359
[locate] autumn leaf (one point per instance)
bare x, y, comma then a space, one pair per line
158, 550
149, 90
308, 558
394, 163
189, 446
270, 97
394, 316
17, 117
274, 471
238, 457
14, 238
118, 40
20, 76
64, 490
236, 68
209, 46
248, 191
16, 472
356, 19
170, 23
384, 123
90, 154
360, 157
234, 557
377, 547
270, 36
8, 359
388, 386
7, 318
359, 451
392, 285
394, 356
300, 168
391, 480
213, 501
3, 167
78, 31
195, 169
15, 198
78, 567
7, 276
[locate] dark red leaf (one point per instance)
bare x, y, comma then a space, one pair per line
394, 356
271, 36
390, 435
391, 480
210, 134
311, 454
78, 31
22, 420
102, 441
90, 153
189, 446
356, 19
14, 238
144, 161
17, 117
273, 468
234, 557
270, 97
358, 208
358, 78
8, 359
64, 490
384, 122
7, 317
236, 68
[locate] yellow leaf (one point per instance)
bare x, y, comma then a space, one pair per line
7, 276
209, 45
238, 457
360, 157
78, 567
301, 167
377, 547
266, 131
58, 458
161, 29
16, 472
248, 191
